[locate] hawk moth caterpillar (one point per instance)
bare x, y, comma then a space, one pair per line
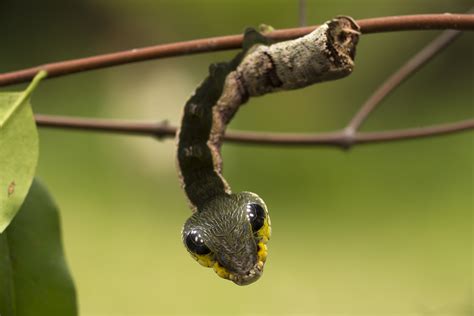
229, 231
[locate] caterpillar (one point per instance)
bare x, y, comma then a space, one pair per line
229, 231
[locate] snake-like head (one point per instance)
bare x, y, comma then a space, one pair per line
229, 233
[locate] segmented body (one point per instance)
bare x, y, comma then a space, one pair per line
229, 231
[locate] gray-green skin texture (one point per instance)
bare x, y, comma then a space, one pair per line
220, 216
225, 227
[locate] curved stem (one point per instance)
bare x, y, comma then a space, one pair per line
400, 76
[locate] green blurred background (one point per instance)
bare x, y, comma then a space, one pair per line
380, 230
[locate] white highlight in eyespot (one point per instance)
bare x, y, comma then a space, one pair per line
198, 237
250, 214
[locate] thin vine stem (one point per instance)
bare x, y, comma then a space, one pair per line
302, 5
338, 139
373, 25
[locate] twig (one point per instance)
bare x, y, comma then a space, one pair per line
345, 141
302, 12
402, 74
374, 25
338, 139
160, 130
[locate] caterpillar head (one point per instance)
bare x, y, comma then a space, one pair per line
229, 234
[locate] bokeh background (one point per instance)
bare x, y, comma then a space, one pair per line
381, 230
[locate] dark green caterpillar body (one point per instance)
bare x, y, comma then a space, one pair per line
229, 232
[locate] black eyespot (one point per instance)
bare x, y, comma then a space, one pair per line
256, 216
195, 243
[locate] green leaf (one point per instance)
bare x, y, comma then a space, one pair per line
18, 150
34, 278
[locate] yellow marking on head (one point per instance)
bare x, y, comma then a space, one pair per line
262, 236
204, 260
221, 271
262, 252
265, 232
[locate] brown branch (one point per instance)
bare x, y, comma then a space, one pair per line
400, 76
160, 130
343, 140
338, 139
374, 25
